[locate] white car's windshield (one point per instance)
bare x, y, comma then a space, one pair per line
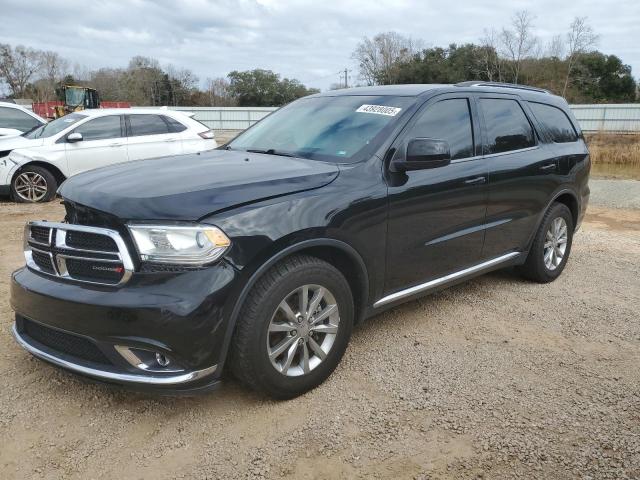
323, 128
54, 127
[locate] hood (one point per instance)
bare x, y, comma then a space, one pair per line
189, 187
13, 142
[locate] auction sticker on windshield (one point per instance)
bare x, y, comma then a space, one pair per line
379, 110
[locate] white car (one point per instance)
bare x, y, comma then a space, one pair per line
15, 120
33, 165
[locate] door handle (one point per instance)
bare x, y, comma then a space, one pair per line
548, 167
475, 180
115, 144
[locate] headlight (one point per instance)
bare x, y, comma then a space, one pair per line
193, 245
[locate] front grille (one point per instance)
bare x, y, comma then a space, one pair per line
90, 241
77, 252
40, 234
65, 343
43, 261
106, 272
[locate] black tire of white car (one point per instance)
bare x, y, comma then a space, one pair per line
535, 267
250, 359
22, 195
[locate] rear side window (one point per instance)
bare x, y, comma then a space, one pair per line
555, 122
507, 126
100, 128
147, 125
174, 125
17, 119
448, 120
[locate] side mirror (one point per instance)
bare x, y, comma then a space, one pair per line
74, 137
423, 153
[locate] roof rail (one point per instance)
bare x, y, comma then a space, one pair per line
477, 83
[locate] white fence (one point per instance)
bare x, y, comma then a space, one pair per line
614, 118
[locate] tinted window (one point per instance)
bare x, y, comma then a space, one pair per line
17, 119
147, 125
507, 125
448, 120
555, 121
100, 128
175, 125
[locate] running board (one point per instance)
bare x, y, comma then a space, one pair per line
423, 287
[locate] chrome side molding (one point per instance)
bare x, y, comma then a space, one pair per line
423, 287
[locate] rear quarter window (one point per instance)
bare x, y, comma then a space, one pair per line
555, 122
507, 125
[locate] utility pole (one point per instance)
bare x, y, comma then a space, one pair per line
346, 77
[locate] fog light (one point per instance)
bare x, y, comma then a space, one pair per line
162, 360
148, 360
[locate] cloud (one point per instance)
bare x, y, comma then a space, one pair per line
308, 40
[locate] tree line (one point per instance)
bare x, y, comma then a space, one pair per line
39, 75
568, 65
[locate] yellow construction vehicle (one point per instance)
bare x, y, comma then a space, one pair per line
77, 98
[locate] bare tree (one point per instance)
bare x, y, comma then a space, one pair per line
218, 92
555, 47
18, 66
519, 42
491, 62
52, 70
580, 38
378, 57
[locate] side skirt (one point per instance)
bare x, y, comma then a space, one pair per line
435, 283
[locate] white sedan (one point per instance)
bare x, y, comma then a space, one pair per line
33, 165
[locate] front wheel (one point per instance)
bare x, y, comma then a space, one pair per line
551, 246
33, 184
293, 328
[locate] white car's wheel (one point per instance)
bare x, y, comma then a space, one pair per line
33, 184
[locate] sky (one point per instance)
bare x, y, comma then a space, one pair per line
308, 40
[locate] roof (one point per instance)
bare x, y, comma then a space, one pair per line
415, 90
99, 112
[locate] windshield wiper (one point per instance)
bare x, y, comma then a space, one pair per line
271, 151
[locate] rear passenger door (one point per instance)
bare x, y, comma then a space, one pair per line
150, 136
522, 173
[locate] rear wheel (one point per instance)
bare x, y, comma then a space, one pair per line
293, 328
33, 184
551, 246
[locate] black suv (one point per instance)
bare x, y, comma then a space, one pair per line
263, 254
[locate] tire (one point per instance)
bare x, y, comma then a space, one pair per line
538, 267
28, 184
263, 326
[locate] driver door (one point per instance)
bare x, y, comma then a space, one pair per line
437, 215
103, 143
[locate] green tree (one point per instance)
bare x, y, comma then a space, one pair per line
264, 88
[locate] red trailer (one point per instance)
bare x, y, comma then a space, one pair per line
48, 109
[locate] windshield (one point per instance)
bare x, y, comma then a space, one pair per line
74, 97
50, 129
323, 128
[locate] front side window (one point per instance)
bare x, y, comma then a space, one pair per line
101, 128
53, 128
507, 125
448, 120
555, 121
147, 125
336, 129
17, 119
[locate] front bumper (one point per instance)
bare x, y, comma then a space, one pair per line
181, 315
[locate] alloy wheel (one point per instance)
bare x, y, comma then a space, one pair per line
555, 244
31, 186
302, 330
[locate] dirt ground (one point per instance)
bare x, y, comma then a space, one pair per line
495, 378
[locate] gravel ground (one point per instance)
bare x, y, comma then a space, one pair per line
495, 378
615, 193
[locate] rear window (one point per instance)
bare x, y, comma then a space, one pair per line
147, 125
555, 121
17, 119
507, 125
174, 125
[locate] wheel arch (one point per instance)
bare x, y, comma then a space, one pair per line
335, 252
55, 171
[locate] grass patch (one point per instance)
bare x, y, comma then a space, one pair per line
614, 149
